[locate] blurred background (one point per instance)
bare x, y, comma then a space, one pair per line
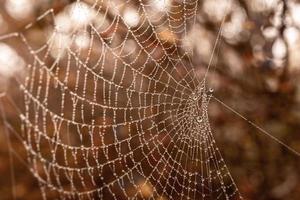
255, 70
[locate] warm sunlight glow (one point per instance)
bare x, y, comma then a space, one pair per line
131, 17
216, 9
161, 5
19, 9
279, 49
82, 40
10, 61
81, 14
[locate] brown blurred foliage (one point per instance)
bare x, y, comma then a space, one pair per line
255, 71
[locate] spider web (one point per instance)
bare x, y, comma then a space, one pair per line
112, 107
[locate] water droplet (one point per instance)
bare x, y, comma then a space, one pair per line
199, 119
211, 90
